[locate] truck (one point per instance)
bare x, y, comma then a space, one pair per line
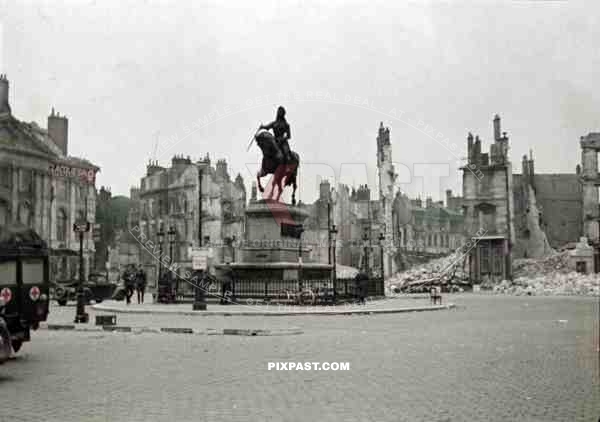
24, 286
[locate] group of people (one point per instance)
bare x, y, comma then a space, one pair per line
135, 281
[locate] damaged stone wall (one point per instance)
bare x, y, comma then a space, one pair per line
532, 241
559, 199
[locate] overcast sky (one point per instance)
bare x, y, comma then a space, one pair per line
131, 74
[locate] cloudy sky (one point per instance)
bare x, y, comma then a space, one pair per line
146, 79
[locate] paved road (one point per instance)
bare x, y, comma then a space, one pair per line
492, 359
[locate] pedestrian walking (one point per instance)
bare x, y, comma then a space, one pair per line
435, 294
362, 286
140, 284
129, 282
227, 286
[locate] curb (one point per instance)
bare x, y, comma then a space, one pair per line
173, 330
308, 311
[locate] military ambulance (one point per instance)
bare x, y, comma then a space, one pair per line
24, 286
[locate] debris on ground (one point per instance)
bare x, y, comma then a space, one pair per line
550, 275
448, 268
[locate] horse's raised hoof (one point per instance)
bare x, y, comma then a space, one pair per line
261, 189
293, 201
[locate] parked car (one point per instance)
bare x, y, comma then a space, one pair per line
96, 289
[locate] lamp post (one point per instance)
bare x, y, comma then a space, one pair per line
80, 315
381, 240
333, 236
329, 234
366, 251
299, 229
161, 237
171, 237
233, 240
171, 233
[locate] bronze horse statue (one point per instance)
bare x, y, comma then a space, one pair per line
273, 163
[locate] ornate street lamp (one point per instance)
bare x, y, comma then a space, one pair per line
233, 240
381, 240
366, 251
172, 233
81, 227
333, 236
161, 238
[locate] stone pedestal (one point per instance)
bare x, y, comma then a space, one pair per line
268, 252
581, 259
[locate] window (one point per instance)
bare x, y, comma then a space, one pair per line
61, 225
25, 214
487, 217
25, 180
485, 259
8, 273
5, 176
3, 213
498, 260
33, 271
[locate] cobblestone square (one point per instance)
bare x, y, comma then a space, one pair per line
490, 359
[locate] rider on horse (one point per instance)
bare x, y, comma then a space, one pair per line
281, 130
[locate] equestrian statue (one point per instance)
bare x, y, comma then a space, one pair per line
278, 159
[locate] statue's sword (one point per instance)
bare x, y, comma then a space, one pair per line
252, 139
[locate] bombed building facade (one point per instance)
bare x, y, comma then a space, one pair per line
524, 215
392, 224
489, 208
548, 210
44, 188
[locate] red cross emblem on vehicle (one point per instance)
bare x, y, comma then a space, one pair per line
5, 295
34, 293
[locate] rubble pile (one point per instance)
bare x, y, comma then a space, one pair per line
548, 276
443, 267
556, 262
555, 284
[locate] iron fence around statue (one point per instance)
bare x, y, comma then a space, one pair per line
299, 292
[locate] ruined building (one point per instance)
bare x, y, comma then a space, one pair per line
588, 175
489, 210
386, 178
409, 228
44, 188
547, 210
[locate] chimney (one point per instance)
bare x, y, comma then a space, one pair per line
470, 148
58, 129
324, 192
448, 197
4, 105
477, 151
496, 128
531, 172
221, 169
